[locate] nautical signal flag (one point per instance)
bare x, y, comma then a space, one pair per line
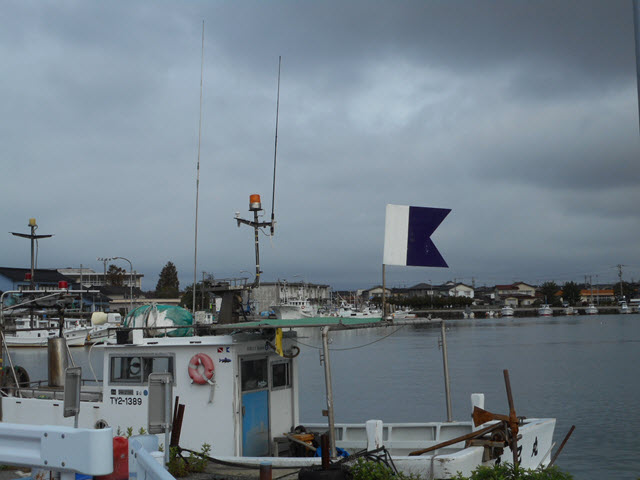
407, 236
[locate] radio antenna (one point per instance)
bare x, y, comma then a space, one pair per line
275, 152
195, 250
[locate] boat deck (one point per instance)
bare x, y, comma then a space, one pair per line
88, 393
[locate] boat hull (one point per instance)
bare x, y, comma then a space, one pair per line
401, 439
291, 312
74, 339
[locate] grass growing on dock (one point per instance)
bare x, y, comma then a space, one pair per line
509, 472
195, 463
367, 470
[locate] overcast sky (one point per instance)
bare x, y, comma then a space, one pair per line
522, 117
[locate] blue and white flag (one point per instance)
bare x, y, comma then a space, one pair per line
407, 236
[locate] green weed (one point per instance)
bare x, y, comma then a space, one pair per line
509, 472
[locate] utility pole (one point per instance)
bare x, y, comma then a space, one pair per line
81, 290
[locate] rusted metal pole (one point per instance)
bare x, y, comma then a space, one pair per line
327, 379
445, 363
265, 471
176, 430
566, 438
462, 438
513, 420
324, 446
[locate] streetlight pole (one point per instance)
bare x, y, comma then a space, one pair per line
104, 260
130, 280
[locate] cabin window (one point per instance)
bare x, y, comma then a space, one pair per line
126, 369
255, 374
135, 369
280, 375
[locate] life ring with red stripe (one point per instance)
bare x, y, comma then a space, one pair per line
197, 375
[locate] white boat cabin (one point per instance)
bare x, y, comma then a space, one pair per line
250, 397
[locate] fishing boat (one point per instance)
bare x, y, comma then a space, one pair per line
25, 336
545, 310
402, 314
239, 393
506, 311
293, 309
349, 311
234, 386
591, 309
623, 307
569, 310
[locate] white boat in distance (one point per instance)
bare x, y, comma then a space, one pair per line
402, 314
569, 310
243, 399
545, 310
506, 311
24, 336
623, 307
294, 309
591, 309
349, 311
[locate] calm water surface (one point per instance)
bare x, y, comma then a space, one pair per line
580, 370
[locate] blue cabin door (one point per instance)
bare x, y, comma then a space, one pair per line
254, 379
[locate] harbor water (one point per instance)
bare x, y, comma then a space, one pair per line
581, 370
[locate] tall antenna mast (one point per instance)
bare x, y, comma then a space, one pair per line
255, 204
636, 29
275, 152
195, 250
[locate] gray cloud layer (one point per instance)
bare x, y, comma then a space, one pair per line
520, 116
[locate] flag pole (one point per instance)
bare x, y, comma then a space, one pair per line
384, 291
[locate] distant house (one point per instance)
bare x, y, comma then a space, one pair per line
399, 292
374, 292
516, 294
120, 297
43, 279
460, 290
516, 289
48, 279
422, 290
485, 294
597, 295
519, 300
89, 277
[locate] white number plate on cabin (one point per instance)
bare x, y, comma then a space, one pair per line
125, 397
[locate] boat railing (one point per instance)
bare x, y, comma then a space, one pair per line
90, 391
399, 438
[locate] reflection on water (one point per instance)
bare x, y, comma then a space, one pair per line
581, 370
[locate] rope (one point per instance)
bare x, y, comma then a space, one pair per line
356, 347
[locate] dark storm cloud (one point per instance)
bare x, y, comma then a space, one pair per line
520, 116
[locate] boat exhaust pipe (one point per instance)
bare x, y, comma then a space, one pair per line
58, 361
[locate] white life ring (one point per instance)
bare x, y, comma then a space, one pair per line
208, 370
